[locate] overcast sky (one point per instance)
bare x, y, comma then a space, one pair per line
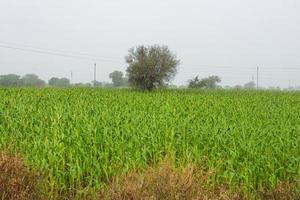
210, 37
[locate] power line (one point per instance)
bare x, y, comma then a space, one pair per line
91, 57
56, 54
51, 50
240, 67
95, 68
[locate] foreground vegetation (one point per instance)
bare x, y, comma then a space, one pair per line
79, 140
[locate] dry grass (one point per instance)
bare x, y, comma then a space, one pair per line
283, 191
165, 182
16, 181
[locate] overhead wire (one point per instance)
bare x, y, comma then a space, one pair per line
57, 53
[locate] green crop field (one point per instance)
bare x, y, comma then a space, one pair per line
81, 138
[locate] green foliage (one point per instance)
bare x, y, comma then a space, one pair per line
59, 82
9, 80
32, 80
85, 85
151, 67
208, 83
118, 79
97, 84
81, 138
29, 80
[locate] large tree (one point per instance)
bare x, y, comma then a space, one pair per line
151, 66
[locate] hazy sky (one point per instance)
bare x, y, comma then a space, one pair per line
210, 37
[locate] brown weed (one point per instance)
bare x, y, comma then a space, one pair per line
16, 181
165, 182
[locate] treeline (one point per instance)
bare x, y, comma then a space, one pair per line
33, 80
118, 80
28, 80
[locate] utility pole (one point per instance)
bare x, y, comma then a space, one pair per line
95, 70
71, 77
257, 77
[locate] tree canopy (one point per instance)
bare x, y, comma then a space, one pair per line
13, 80
9, 80
118, 79
32, 80
151, 66
209, 82
250, 85
59, 82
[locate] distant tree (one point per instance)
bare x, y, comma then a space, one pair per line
250, 85
82, 85
208, 83
53, 81
64, 82
9, 80
151, 66
32, 80
59, 82
107, 85
87, 85
78, 84
212, 81
195, 83
238, 87
97, 84
117, 78
274, 88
